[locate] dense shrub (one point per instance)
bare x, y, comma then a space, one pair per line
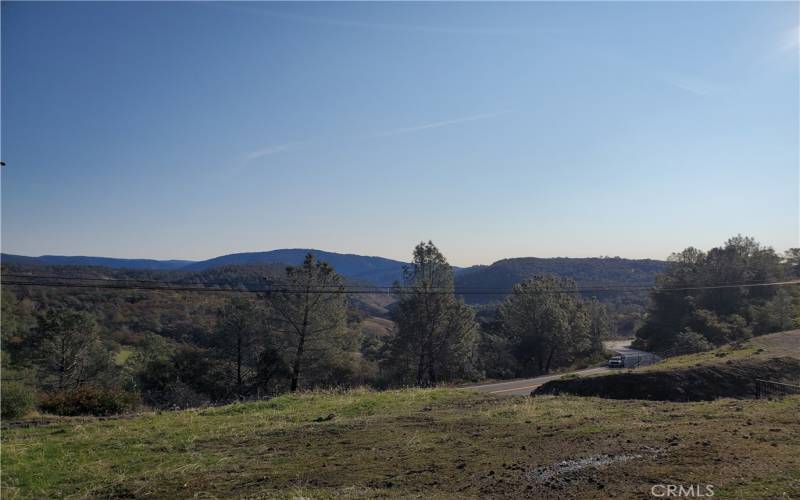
188, 377
16, 400
89, 401
695, 292
174, 395
689, 342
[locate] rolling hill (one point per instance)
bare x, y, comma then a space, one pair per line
372, 270
376, 271
380, 271
64, 260
504, 274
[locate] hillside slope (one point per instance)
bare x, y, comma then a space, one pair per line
372, 270
383, 272
431, 443
729, 371
64, 260
504, 274
376, 271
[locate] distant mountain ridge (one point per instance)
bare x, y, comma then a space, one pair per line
79, 260
506, 273
380, 271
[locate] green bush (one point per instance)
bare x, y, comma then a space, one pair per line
89, 401
16, 400
690, 342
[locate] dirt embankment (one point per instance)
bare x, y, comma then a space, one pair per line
734, 379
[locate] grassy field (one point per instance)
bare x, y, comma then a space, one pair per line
767, 346
425, 443
728, 371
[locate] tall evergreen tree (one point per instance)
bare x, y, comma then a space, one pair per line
792, 261
436, 333
68, 351
545, 323
600, 323
238, 341
309, 314
698, 293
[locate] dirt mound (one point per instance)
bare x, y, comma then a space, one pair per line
781, 343
700, 383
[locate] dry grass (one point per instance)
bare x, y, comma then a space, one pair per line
432, 443
774, 345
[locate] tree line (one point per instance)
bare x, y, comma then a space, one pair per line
85, 351
303, 335
705, 299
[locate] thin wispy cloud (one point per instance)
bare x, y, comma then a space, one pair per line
696, 86
438, 124
291, 146
270, 150
791, 39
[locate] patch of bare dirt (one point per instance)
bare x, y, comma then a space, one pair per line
781, 344
733, 379
555, 472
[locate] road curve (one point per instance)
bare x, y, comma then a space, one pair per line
523, 387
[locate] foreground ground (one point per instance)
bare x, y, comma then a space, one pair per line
774, 345
729, 371
420, 443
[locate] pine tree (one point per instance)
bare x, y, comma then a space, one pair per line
309, 315
436, 333
68, 351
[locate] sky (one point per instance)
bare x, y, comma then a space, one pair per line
191, 130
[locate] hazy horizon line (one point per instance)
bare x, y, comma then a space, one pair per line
197, 260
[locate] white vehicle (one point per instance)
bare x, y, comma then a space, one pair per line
616, 362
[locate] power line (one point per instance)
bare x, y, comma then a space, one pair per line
105, 278
378, 289
384, 290
232, 286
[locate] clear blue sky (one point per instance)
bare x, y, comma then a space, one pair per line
185, 130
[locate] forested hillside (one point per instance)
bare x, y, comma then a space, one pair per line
706, 299
377, 271
372, 270
64, 260
180, 314
380, 271
487, 286
182, 338
504, 274
242, 331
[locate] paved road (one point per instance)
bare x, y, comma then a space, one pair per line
615, 345
524, 387
634, 357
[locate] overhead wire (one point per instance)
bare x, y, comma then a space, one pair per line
34, 280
